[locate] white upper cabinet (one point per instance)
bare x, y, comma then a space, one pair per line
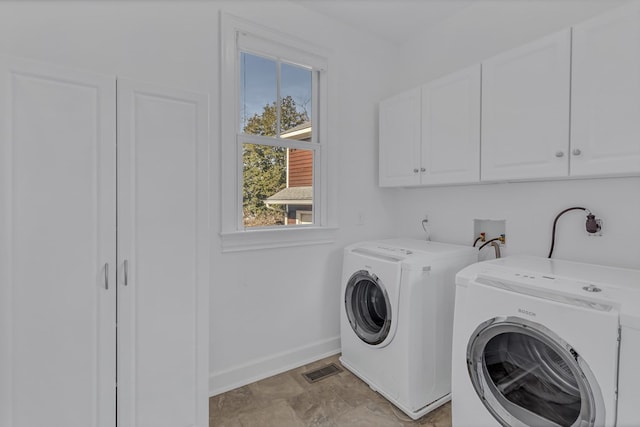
566, 105
451, 128
431, 135
525, 111
605, 108
400, 140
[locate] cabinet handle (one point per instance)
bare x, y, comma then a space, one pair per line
423, 170
126, 272
577, 152
106, 275
559, 153
415, 170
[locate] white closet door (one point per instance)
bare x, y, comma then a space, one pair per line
163, 238
57, 234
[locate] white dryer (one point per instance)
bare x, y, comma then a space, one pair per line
396, 318
541, 342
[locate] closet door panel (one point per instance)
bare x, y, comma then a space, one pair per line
162, 235
57, 234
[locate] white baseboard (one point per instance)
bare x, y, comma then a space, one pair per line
238, 376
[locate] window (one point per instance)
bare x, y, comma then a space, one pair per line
274, 153
277, 100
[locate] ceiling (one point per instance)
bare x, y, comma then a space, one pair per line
392, 20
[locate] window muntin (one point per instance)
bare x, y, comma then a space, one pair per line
276, 110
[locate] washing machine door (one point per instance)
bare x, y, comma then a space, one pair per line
368, 307
528, 376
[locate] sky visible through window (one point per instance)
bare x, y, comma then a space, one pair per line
258, 85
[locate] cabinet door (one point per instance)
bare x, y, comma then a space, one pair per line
57, 246
605, 107
400, 140
451, 128
163, 239
525, 111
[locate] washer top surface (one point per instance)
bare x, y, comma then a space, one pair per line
409, 249
618, 287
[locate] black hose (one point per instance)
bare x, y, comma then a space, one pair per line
489, 241
555, 221
476, 241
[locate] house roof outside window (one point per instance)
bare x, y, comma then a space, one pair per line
302, 132
291, 196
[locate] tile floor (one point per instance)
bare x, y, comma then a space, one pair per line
288, 400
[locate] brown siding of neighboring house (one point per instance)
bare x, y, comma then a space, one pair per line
300, 168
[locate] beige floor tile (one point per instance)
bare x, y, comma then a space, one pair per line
318, 405
278, 414
226, 406
280, 386
288, 400
367, 415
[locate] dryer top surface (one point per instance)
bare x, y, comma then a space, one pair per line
611, 285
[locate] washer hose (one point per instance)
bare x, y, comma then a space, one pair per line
488, 242
590, 216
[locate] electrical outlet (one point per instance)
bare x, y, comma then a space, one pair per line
597, 233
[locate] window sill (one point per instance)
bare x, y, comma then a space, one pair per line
238, 241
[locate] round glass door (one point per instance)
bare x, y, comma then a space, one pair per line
527, 376
368, 307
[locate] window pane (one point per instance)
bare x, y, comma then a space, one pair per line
295, 90
277, 186
258, 95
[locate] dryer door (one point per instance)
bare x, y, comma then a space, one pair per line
528, 376
368, 307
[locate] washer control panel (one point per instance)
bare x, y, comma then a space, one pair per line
400, 251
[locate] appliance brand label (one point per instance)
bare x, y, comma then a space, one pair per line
527, 312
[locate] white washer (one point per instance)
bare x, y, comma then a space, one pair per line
396, 318
541, 342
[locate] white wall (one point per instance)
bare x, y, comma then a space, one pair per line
479, 32
529, 209
274, 309
270, 310
484, 29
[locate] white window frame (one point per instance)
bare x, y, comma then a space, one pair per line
236, 35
